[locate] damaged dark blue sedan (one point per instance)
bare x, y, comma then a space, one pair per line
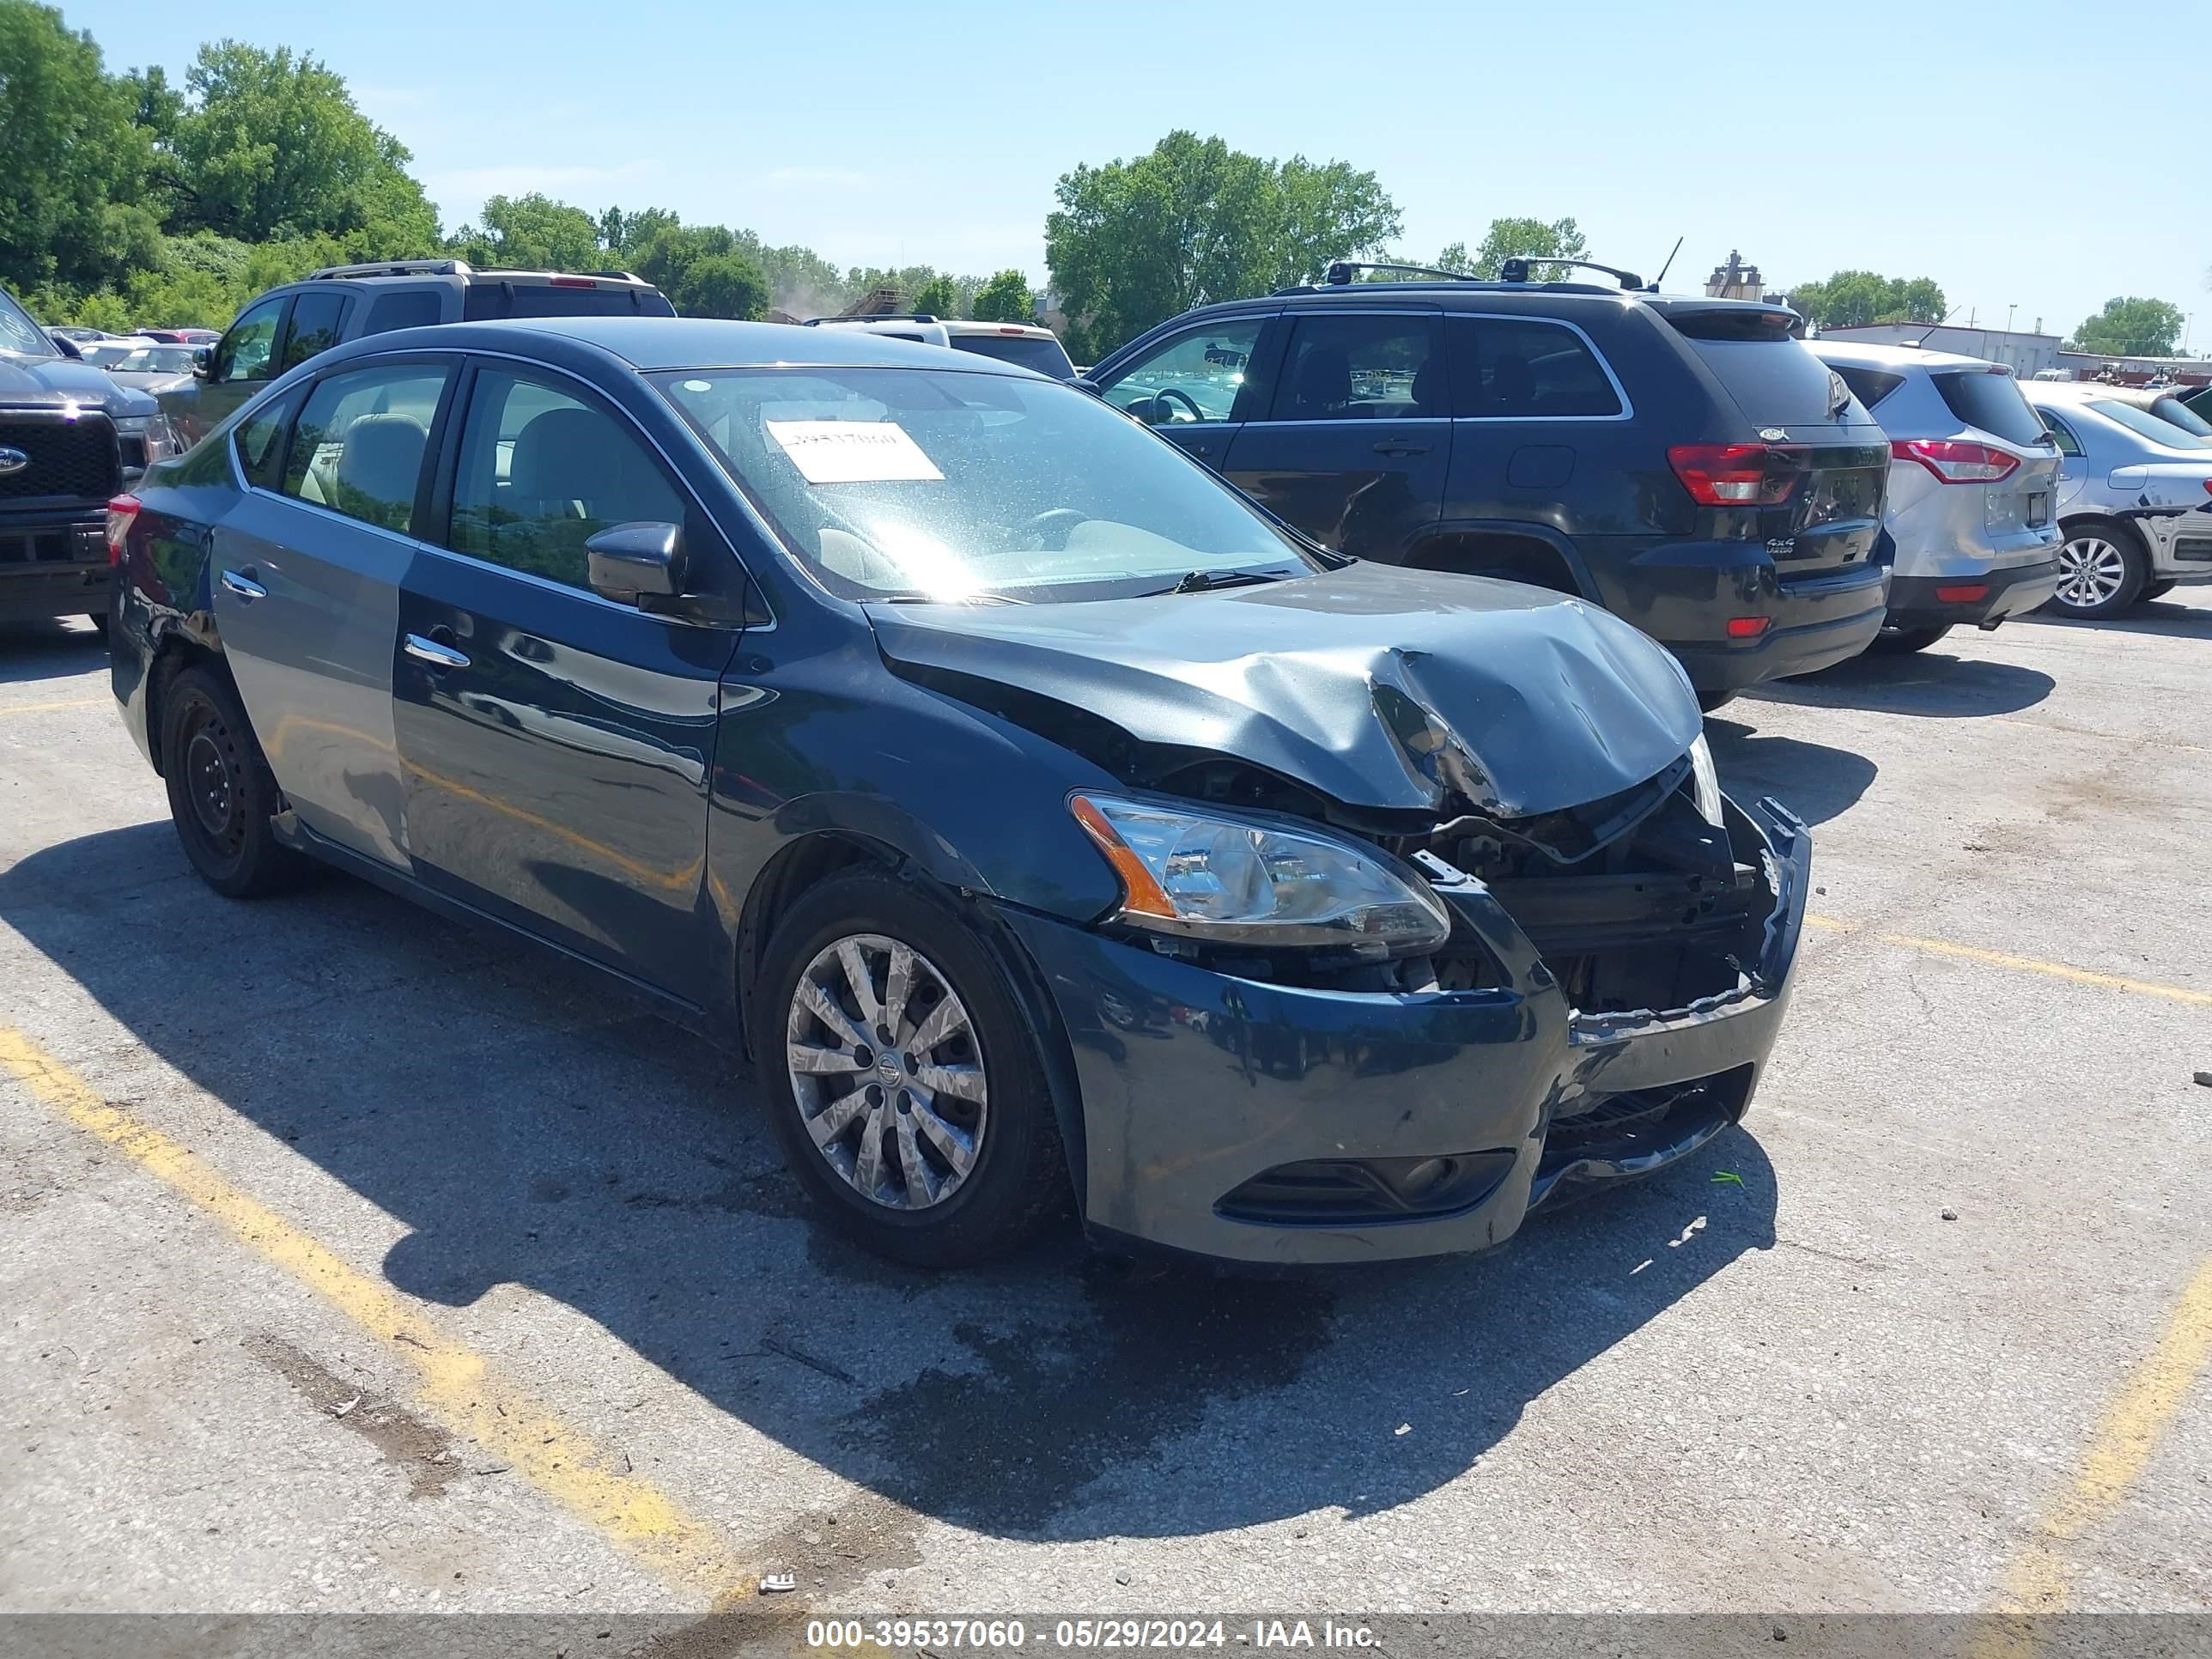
1041, 817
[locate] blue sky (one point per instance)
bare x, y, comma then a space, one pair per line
2034, 154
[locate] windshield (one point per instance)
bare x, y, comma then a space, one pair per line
938, 485
161, 359
2174, 410
19, 334
2143, 422
1024, 352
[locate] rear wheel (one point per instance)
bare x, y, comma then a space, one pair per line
99, 620
2102, 568
1709, 701
221, 795
2159, 590
902, 1079
1896, 641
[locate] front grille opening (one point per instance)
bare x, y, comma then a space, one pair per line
1626, 1129
74, 459
1358, 1192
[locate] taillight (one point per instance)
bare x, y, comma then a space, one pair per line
1738, 475
1956, 462
122, 513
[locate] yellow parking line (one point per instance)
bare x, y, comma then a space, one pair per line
2025, 964
458, 1384
2040, 1577
49, 708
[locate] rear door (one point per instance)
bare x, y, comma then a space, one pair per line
555, 743
1357, 440
2072, 463
1197, 386
1825, 452
306, 578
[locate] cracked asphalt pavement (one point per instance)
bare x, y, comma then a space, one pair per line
1775, 1378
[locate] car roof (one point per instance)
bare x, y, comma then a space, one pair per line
657, 343
978, 325
1860, 355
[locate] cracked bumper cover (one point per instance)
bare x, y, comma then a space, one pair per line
1193, 1081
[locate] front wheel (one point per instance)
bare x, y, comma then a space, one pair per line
902, 1078
2102, 570
221, 795
2159, 590
1898, 641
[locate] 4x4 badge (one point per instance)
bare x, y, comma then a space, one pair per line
12, 461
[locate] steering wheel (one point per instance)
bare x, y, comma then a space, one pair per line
1050, 528
1187, 400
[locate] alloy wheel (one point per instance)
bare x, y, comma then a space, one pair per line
2090, 572
885, 1069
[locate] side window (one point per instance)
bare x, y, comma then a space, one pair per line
361, 441
541, 472
314, 328
2061, 433
1363, 366
260, 441
409, 308
1523, 368
247, 352
1192, 377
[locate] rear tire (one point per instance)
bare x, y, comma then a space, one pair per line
2158, 590
1899, 641
1709, 701
99, 620
2103, 568
935, 1151
222, 794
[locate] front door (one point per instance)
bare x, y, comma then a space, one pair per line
1357, 440
555, 743
2072, 465
1195, 387
307, 576
242, 362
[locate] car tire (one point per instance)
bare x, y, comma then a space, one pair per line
1709, 701
960, 1170
222, 794
99, 620
1899, 641
2102, 570
2158, 590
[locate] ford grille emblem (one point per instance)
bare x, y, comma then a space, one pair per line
12, 461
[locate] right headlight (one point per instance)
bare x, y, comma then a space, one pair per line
1203, 877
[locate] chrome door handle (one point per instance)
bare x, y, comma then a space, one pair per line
244, 586
437, 655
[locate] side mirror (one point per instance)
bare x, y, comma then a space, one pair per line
66, 346
203, 362
1084, 383
630, 562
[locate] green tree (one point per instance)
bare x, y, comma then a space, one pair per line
72, 159
531, 233
1193, 220
1556, 239
722, 285
271, 145
1850, 298
937, 298
2132, 328
1005, 298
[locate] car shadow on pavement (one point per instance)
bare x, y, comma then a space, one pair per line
2161, 617
1814, 779
48, 650
531, 1125
1930, 683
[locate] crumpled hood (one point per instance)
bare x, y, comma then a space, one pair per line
50, 382
1382, 688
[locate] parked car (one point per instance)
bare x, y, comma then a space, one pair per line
105, 354
2134, 501
1025, 344
286, 326
1041, 815
1685, 463
152, 367
1973, 480
78, 335
71, 436
2168, 403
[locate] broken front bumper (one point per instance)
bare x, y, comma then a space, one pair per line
1270, 1123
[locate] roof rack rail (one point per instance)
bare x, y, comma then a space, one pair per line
396, 268
1340, 272
876, 317
1516, 269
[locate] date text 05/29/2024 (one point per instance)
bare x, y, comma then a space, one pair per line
1124, 1634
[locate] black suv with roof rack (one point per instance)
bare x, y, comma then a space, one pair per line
1687, 463
286, 325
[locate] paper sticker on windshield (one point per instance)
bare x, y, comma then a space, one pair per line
852, 452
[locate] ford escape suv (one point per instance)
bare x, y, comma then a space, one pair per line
1047, 822
1685, 463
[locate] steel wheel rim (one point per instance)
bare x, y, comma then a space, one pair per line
212, 784
2091, 570
887, 1071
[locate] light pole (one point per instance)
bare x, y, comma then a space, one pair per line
2010, 309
